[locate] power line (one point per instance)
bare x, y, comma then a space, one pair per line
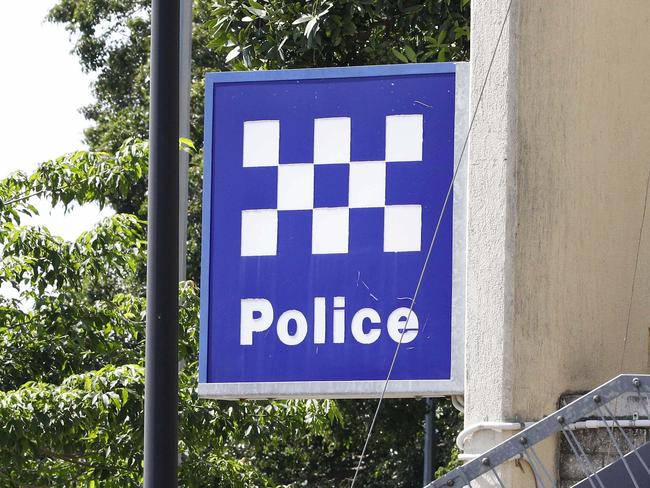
636, 267
433, 240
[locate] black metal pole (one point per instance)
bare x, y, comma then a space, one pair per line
161, 361
427, 476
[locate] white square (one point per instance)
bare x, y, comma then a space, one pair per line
332, 140
402, 228
261, 143
404, 137
367, 184
259, 232
330, 230
295, 186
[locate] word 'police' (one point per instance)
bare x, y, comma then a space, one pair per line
366, 325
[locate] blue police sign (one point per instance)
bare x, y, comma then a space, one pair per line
321, 194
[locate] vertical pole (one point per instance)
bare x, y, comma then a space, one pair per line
161, 367
185, 87
427, 476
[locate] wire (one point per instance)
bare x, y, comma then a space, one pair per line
433, 240
636, 267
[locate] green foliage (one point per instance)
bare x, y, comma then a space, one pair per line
286, 34
111, 38
452, 464
72, 336
72, 323
74, 327
81, 177
74, 433
71, 380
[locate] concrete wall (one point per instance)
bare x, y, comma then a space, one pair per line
559, 160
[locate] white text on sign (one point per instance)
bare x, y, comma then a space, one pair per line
257, 315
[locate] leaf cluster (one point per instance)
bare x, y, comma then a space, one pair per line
111, 39
287, 34
74, 433
72, 339
78, 308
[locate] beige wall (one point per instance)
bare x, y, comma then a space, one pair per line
583, 145
559, 160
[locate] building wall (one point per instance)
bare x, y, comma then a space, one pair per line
583, 145
559, 160
491, 205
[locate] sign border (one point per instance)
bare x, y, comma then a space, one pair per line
360, 388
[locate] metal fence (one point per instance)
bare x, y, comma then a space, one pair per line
629, 466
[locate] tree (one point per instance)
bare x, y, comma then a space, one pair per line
111, 40
279, 34
71, 377
72, 336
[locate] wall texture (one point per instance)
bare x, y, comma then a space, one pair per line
583, 145
559, 160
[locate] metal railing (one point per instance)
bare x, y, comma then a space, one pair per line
630, 466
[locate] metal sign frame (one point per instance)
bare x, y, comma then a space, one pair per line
361, 388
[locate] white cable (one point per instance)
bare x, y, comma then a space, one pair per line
495, 426
467, 433
599, 424
458, 401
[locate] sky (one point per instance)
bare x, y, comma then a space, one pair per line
42, 88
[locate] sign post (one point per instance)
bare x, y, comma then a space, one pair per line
321, 191
161, 367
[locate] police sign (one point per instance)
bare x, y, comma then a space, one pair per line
322, 190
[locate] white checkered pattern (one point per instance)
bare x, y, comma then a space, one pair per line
367, 185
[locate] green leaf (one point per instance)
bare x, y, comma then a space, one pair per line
410, 54
309, 29
259, 12
412, 9
91, 313
301, 20
186, 144
233, 54
399, 55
